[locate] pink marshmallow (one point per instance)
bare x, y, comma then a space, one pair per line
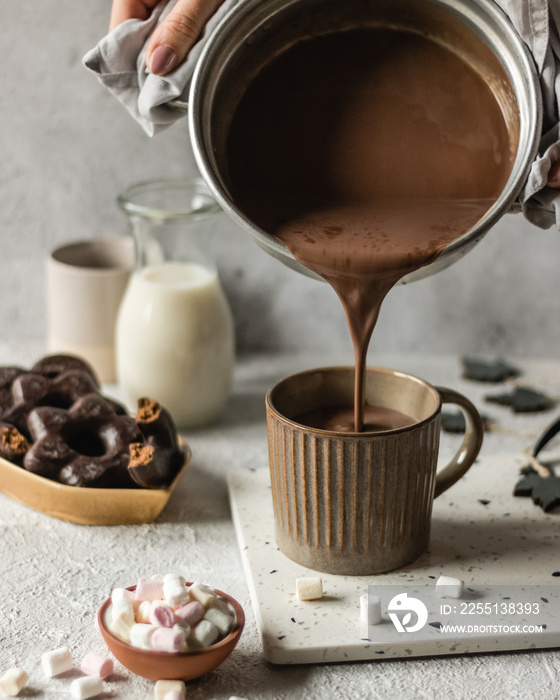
190, 613
149, 589
167, 639
173, 695
162, 614
94, 664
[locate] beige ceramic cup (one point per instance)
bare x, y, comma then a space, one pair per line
360, 503
86, 281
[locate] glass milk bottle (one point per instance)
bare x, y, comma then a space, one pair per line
174, 337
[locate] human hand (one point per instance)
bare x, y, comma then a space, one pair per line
175, 36
554, 176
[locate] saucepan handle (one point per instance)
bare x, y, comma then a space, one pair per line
178, 105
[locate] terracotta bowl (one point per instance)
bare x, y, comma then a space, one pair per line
159, 665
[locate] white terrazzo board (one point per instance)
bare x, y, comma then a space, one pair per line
501, 546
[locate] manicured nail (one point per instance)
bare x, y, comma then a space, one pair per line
163, 59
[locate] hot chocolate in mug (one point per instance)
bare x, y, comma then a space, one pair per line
360, 503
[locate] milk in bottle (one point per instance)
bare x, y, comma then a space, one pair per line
175, 339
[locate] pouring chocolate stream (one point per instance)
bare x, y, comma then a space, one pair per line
367, 152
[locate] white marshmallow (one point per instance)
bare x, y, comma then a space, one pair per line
120, 594
222, 605
143, 612
163, 687
205, 595
13, 681
175, 577
203, 635
370, 609
449, 587
309, 588
122, 607
140, 635
57, 661
175, 592
86, 687
222, 621
122, 618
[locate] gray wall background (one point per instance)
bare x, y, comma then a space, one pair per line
68, 148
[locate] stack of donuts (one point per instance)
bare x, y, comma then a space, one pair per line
55, 422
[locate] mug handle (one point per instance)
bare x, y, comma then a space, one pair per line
470, 447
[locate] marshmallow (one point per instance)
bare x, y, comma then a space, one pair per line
122, 618
186, 631
86, 687
94, 664
223, 606
57, 661
205, 595
449, 587
190, 614
162, 688
149, 589
173, 695
370, 609
168, 639
175, 592
141, 635
162, 614
121, 593
221, 620
309, 588
13, 681
203, 635
143, 612
186, 616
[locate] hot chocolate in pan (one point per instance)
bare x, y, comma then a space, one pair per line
366, 152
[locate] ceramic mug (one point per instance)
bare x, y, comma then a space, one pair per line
86, 281
360, 503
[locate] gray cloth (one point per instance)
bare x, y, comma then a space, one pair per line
537, 22
119, 62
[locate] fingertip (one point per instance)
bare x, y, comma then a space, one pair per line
162, 60
553, 179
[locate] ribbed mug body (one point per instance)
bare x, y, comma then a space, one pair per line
353, 503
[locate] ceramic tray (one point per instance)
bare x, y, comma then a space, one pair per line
87, 506
504, 548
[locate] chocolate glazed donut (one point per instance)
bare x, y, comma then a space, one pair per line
155, 461
86, 445
56, 380
13, 445
55, 423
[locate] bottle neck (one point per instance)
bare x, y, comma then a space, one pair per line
177, 240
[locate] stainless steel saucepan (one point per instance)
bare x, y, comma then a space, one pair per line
256, 31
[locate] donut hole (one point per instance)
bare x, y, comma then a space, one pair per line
56, 399
83, 439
